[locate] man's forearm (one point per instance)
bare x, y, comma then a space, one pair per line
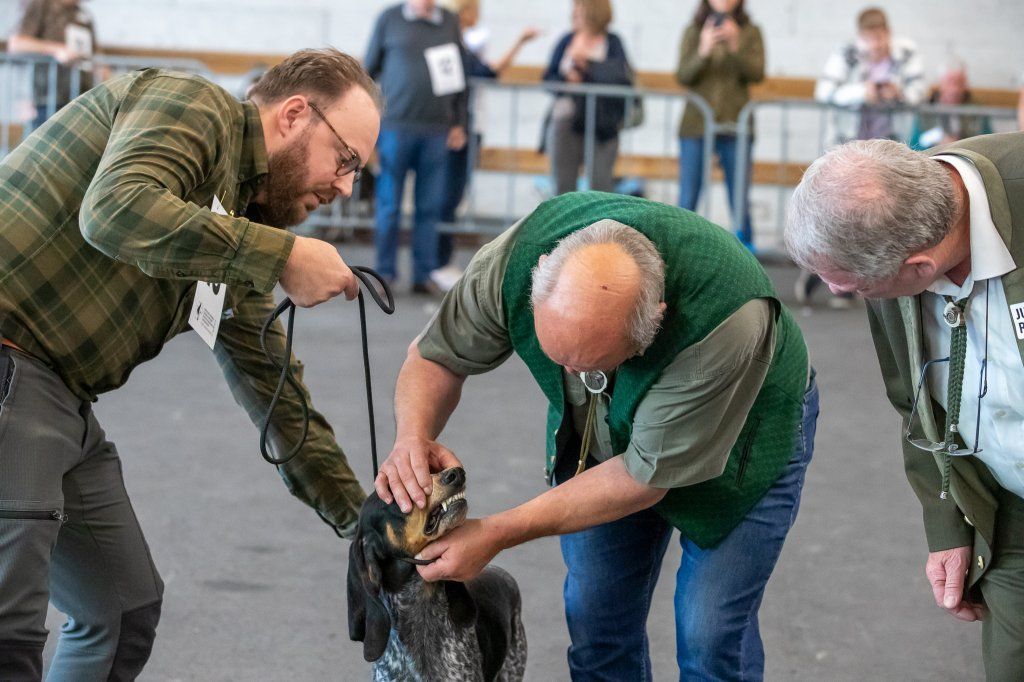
425, 396
21, 44
599, 495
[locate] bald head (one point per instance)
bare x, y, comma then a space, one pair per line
597, 297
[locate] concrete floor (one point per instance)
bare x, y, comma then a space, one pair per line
255, 582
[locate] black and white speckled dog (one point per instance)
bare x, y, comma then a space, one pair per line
415, 631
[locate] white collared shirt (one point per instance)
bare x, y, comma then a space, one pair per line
1001, 436
436, 17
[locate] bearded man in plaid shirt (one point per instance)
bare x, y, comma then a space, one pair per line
112, 215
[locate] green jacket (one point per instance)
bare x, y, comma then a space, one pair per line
105, 228
722, 78
968, 516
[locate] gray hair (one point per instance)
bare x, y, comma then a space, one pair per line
866, 206
646, 317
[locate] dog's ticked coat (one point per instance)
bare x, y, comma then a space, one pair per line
429, 632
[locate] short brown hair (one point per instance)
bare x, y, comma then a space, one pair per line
325, 74
597, 14
872, 18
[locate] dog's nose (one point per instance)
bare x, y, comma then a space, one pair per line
454, 477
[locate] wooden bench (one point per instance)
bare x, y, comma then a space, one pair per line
656, 167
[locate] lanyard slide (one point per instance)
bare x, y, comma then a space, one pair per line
386, 303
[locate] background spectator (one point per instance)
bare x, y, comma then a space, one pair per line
722, 53
1020, 105
415, 54
588, 54
64, 30
874, 69
474, 38
931, 129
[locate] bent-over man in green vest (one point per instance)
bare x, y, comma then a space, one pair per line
680, 397
935, 241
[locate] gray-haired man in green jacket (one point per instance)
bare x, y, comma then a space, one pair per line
936, 242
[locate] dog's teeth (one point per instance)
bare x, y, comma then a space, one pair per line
444, 506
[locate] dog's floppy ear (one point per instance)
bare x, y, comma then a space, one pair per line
368, 620
461, 607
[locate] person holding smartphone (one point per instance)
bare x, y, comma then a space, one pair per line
865, 79
722, 54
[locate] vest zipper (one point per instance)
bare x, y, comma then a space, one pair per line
748, 445
42, 515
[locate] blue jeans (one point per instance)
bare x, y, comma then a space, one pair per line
457, 169
401, 151
612, 570
691, 169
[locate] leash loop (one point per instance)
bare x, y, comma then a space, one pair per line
384, 299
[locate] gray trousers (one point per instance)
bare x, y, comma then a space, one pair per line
1002, 590
566, 148
68, 535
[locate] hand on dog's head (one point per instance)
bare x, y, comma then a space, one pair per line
385, 536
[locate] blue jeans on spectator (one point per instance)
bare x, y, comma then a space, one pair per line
612, 570
457, 177
691, 175
424, 153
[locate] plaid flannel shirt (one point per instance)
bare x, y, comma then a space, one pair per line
105, 229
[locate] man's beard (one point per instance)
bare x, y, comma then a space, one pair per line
286, 181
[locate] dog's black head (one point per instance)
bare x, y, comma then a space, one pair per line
384, 539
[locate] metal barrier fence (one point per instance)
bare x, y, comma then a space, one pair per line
804, 129
659, 113
512, 118
34, 87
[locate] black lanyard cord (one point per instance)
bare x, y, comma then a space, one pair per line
386, 303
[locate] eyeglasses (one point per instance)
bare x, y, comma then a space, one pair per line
950, 448
351, 164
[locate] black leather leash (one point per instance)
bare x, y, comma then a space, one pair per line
386, 303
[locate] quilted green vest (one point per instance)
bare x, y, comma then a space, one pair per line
709, 275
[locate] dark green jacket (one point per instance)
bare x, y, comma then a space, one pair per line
968, 516
708, 276
722, 78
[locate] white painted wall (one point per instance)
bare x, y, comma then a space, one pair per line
985, 34
798, 33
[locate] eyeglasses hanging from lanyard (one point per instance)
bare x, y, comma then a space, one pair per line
385, 302
955, 317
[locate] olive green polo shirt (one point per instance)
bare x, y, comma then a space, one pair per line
686, 424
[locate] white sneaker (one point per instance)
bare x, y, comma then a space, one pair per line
800, 289
445, 278
841, 302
